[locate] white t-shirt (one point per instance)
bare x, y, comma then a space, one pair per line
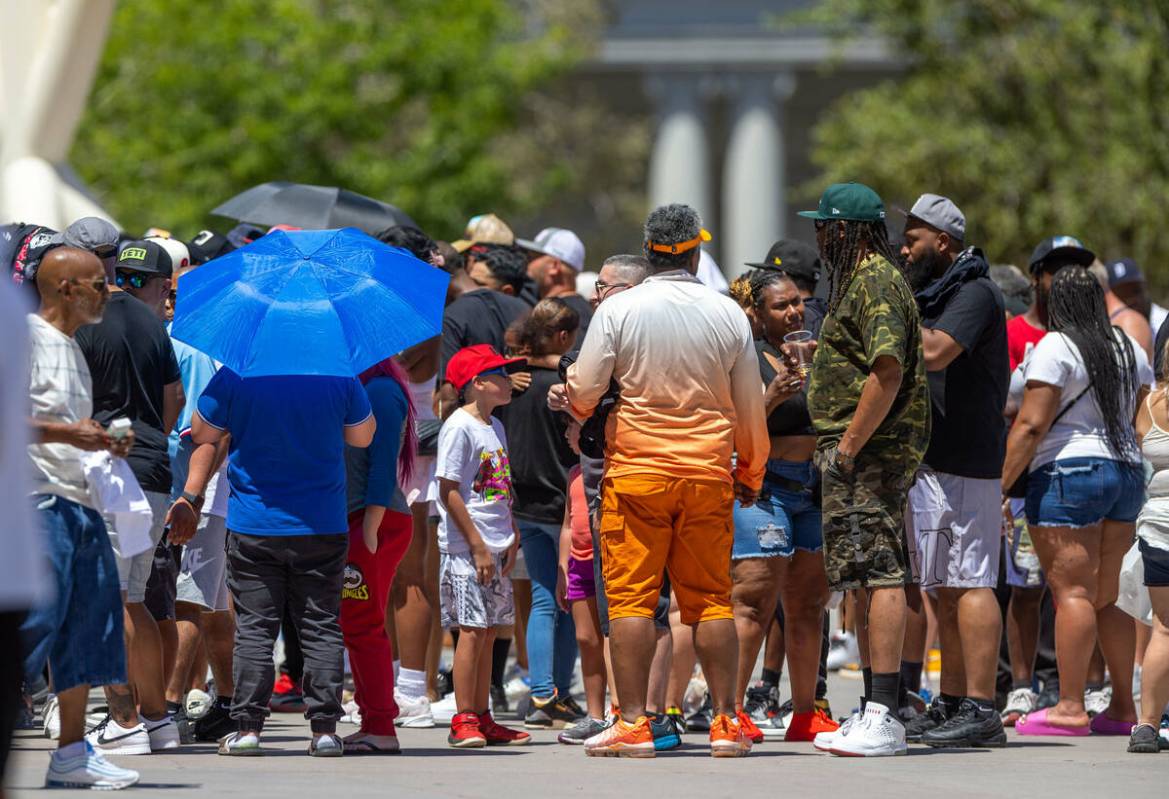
1080, 432
61, 390
475, 455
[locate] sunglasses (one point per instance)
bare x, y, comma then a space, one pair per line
601, 286
135, 279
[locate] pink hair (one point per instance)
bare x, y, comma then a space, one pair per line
390, 368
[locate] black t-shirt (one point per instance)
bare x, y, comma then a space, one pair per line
131, 358
790, 418
540, 457
480, 316
968, 433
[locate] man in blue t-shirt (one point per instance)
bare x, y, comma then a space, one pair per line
287, 533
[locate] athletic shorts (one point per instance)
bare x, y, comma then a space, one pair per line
956, 525
864, 524
203, 574
581, 584
468, 603
783, 519
652, 524
1022, 562
134, 572
1156, 563
1078, 492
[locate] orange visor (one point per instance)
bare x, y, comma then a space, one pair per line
682, 246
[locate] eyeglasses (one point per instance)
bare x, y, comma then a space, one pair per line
602, 287
135, 279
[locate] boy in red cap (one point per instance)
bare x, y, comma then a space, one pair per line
477, 538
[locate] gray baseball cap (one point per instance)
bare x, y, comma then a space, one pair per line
940, 213
90, 233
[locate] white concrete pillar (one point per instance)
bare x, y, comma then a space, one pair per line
679, 167
753, 170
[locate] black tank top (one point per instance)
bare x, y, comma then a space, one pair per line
791, 418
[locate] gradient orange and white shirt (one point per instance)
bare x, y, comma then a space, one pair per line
690, 393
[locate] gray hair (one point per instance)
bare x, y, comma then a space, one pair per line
631, 268
671, 224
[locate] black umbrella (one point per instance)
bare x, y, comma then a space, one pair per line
280, 202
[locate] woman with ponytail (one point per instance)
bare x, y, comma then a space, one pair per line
379, 532
1084, 383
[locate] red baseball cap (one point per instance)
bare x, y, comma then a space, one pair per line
472, 361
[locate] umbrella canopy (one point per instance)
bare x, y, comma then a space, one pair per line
280, 202
322, 302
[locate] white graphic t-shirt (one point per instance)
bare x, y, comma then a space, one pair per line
475, 456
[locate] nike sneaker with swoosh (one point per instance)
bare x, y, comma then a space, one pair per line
110, 738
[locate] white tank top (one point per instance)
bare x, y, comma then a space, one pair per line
1153, 523
422, 397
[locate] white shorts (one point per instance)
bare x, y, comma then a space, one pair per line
134, 573
203, 574
955, 531
466, 602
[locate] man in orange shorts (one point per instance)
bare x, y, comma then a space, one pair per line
690, 396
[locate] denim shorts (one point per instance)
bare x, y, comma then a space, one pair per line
781, 520
1077, 492
79, 631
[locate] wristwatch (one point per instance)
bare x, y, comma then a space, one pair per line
845, 463
195, 499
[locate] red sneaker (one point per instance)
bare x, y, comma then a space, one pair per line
498, 735
750, 729
465, 732
806, 726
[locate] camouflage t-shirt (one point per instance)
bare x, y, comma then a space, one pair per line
877, 316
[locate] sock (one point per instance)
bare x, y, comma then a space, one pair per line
771, 676
499, 651
984, 705
71, 750
885, 689
1027, 684
412, 683
950, 703
173, 707
910, 681
867, 674
397, 668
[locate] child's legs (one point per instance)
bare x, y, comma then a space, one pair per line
592, 654
473, 642
483, 671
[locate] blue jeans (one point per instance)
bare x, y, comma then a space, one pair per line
79, 631
551, 633
1077, 492
782, 520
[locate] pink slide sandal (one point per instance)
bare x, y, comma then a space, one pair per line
1036, 724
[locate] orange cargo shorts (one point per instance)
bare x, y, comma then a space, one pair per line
654, 523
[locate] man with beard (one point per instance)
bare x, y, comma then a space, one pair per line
869, 403
955, 503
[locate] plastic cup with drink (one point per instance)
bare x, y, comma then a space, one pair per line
800, 345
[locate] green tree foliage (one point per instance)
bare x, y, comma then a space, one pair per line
1037, 117
407, 101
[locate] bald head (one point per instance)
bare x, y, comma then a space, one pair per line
73, 288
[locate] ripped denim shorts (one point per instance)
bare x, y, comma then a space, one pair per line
1077, 492
786, 517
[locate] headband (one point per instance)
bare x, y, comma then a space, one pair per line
680, 247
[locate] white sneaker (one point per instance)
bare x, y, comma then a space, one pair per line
85, 767
414, 712
1096, 701
352, 713
164, 733
1020, 702
442, 711
52, 724
110, 738
517, 688
877, 733
824, 741
198, 703
842, 650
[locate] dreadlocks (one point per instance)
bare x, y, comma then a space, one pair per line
841, 255
1076, 308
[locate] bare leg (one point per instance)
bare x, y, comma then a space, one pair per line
219, 638
71, 704
168, 635
682, 664
1115, 628
614, 700
592, 654
755, 592
980, 627
953, 680
717, 648
188, 620
1023, 632
659, 672
886, 629
411, 602
1155, 671
805, 592
483, 672
632, 641
468, 654
522, 591
774, 647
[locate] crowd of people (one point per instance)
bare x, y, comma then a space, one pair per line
600, 475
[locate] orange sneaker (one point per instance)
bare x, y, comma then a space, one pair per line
498, 735
622, 739
749, 727
465, 732
728, 738
806, 726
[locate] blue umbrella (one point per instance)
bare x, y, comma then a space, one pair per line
319, 302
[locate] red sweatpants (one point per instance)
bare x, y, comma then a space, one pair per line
364, 594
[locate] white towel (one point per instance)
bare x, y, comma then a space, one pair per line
116, 493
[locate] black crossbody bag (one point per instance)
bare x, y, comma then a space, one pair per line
1018, 489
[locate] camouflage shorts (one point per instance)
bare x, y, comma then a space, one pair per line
864, 525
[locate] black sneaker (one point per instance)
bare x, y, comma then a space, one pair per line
571, 703
1146, 740
550, 713
186, 726
935, 716
215, 723
970, 727
700, 720
762, 702
1048, 697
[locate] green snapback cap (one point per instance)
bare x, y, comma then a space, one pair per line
854, 202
